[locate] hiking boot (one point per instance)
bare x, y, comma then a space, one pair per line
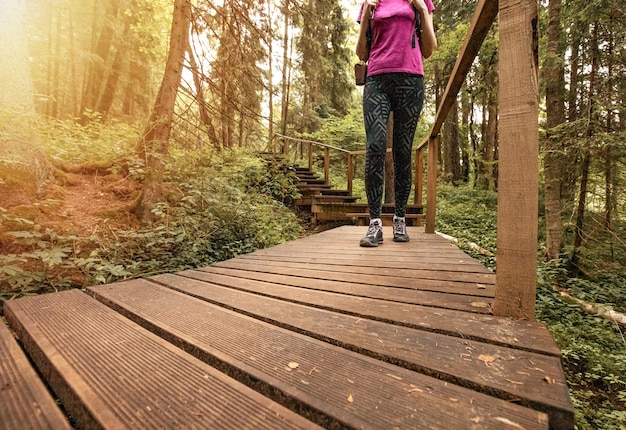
374, 234
399, 229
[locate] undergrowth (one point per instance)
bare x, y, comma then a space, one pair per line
221, 205
594, 349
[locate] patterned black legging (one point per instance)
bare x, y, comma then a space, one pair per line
403, 94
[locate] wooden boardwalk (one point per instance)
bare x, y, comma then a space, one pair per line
315, 332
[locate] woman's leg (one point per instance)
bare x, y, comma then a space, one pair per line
376, 109
406, 102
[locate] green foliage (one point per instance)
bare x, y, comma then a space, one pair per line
470, 215
77, 143
219, 207
594, 349
223, 212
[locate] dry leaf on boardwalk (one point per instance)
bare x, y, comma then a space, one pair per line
486, 358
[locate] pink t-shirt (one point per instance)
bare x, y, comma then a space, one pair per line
392, 49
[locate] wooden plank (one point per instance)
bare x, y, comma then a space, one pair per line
338, 255
532, 379
451, 276
352, 390
375, 262
530, 336
111, 373
450, 286
400, 295
26, 403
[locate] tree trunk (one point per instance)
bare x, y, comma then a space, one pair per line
555, 115
97, 69
285, 79
154, 143
452, 150
580, 212
582, 199
270, 77
465, 122
110, 87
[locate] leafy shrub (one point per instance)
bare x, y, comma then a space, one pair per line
223, 206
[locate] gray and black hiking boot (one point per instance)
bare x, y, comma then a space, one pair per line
374, 234
399, 229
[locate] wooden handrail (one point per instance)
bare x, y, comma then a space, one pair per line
484, 16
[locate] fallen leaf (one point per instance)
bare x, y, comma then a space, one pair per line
509, 422
515, 382
481, 286
350, 399
293, 365
394, 377
480, 304
549, 380
486, 358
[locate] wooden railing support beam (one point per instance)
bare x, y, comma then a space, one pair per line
431, 193
518, 169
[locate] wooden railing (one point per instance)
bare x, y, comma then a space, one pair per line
484, 16
288, 150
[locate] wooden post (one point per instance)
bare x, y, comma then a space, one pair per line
350, 174
326, 165
419, 176
431, 197
310, 156
516, 279
418, 197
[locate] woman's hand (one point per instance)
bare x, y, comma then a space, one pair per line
419, 5
373, 4
368, 10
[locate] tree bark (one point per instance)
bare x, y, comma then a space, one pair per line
154, 143
452, 150
286, 72
97, 68
582, 198
555, 115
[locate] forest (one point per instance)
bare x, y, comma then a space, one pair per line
133, 134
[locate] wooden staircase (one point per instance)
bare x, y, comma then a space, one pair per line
327, 204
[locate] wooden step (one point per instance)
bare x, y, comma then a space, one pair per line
311, 182
25, 402
363, 218
324, 190
110, 373
324, 200
340, 387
